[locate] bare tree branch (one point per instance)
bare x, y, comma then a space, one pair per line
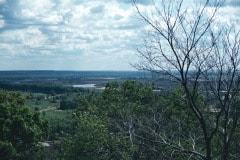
185, 46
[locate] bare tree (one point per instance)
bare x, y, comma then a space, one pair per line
190, 46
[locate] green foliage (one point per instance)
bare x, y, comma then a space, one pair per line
40, 88
127, 107
8, 152
125, 121
39, 100
60, 123
130, 98
146, 120
67, 104
129, 91
92, 140
20, 127
102, 122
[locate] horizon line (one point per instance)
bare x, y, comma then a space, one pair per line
52, 70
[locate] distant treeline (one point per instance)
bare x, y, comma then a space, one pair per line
40, 88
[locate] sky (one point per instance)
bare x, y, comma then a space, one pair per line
75, 34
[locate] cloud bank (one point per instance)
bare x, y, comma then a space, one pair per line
72, 34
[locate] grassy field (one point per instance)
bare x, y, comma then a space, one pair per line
47, 105
41, 102
60, 121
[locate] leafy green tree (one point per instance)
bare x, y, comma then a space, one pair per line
92, 140
106, 124
128, 106
20, 128
8, 152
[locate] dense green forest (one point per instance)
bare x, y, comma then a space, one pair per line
124, 121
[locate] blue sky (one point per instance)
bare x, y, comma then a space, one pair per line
75, 34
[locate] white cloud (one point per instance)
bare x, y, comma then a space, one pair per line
36, 7
69, 34
52, 19
22, 42
228, 14
2, 23
97, 9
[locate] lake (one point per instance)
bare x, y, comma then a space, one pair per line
84, 85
